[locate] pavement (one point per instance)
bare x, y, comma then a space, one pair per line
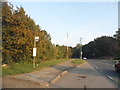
38, 79
49, 77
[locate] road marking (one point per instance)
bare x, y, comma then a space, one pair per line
96, 67
110, 77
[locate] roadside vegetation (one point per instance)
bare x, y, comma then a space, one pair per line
18, 35
104, 47
18, 68
25, 67
78, 61
115, 60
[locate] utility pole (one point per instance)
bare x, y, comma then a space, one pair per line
81, 48
67, 46
36, 39
34, 51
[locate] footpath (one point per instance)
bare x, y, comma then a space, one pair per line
48, 77
37, 79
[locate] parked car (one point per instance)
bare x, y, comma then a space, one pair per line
117, 66
84, 58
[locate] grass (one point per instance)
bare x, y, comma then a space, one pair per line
78, 61
115, 60
18, 68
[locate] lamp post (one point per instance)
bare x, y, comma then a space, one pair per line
67, 46
81, 48
35, 49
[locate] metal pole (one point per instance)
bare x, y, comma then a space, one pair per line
34, 56
81, 48
67, 46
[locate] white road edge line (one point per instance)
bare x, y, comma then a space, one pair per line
93, 65
110, 77
96, 67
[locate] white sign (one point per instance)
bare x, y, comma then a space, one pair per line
34, 51
36, 38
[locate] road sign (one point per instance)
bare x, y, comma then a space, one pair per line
34, 51
36, 38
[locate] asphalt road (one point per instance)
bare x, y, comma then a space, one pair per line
106, 67
86, 76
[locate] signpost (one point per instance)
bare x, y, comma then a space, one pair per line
35, 50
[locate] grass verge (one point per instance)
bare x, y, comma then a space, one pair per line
116, 60
18, 68
78, 61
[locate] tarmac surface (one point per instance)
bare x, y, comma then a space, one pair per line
64, 75
83, 76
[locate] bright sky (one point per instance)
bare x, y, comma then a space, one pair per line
88, 20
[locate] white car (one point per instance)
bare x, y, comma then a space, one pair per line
84, 58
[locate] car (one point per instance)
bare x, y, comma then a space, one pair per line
84, 58
117, 66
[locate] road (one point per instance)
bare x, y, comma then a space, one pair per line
106, 67
90, 75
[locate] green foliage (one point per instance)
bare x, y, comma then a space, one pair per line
78, 61
26, 67
62, 52
76, 51
17, 42
18, 35
102, 47
117, 37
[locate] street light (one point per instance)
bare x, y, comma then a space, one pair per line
80, 48
35, 49
67, 47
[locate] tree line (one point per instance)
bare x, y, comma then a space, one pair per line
104, 47
18, 34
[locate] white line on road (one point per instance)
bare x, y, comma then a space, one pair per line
101, 71
110, 77
96, 67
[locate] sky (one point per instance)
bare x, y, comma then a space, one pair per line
87, 20
119, 14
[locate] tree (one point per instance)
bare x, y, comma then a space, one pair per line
102, 47
18, 34
76, 51
19, 31
117, 37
